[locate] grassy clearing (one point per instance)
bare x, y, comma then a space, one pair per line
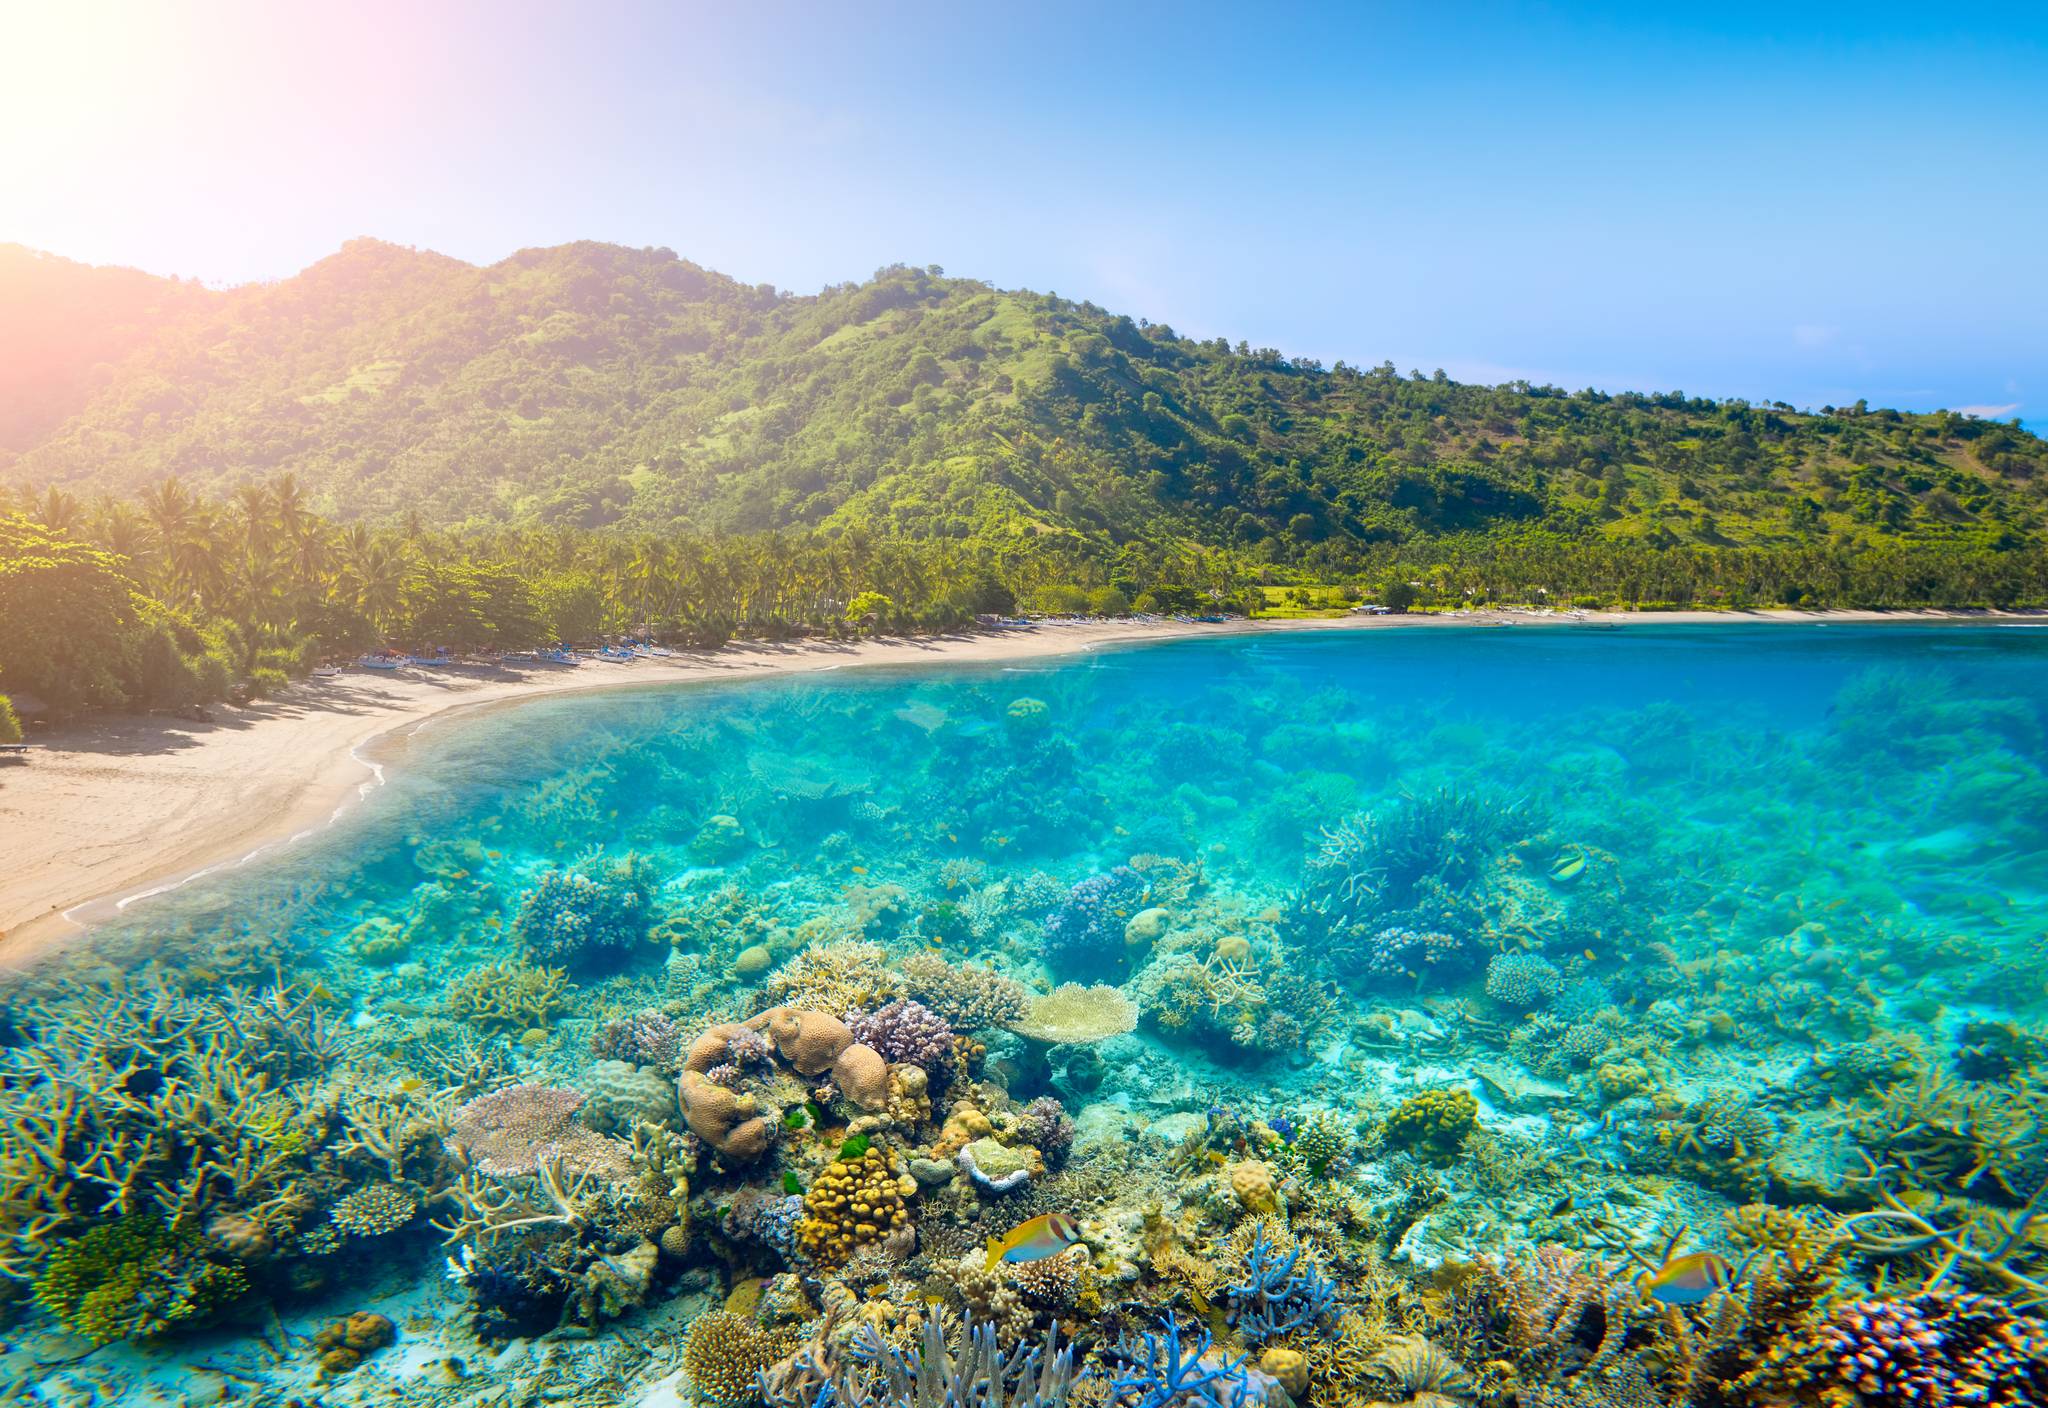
1302, 603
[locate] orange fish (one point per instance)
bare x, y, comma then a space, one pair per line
1686, 1280
1041, 1237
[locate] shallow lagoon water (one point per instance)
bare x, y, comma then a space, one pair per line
1629, 889
1895, 762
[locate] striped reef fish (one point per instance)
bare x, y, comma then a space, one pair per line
1688, 1279
1035, 1240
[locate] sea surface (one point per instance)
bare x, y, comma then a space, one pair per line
1609, 882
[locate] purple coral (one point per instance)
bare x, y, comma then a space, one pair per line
907, 1031
749, 1051
645, 1039
1044, 1125
1084, 938
1396, 952
1939, 1347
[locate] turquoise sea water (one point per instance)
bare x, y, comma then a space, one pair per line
1698, 917
1898, 771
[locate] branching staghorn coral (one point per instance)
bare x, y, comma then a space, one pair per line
1164, 1373
1276, 1294
134, 1098
511, 996
1987, 1246
872, 1373
486, 1208
1945, 1134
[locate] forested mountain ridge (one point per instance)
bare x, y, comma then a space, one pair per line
590, 385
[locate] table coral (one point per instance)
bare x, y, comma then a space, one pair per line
511, 1132
374, 1211
1072, 1015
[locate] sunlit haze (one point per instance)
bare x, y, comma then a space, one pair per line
1777, 202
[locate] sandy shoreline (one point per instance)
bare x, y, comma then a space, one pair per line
111, 811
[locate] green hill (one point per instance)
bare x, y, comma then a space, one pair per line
591, 385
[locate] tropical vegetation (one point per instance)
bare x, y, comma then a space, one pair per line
211, 489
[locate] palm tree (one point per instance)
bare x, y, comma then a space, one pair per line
59, 511
372, 579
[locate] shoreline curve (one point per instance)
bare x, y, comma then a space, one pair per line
116, 811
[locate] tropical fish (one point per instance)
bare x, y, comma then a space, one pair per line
1568, 867
1564, 1205
1688, 1279
1041, 1237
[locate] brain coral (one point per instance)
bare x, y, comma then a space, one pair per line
862, 1076
731, 1119
622, 1094
809, 1041
730, 1122
1252, 1183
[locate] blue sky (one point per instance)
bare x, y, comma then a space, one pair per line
1808, 203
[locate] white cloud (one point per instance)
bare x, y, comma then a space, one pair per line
1990, 412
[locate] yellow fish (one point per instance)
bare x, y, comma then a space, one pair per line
1686, 1280
1041, 1237
1568, 867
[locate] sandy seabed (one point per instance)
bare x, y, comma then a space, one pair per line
108, 812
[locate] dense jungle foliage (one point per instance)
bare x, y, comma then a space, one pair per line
397, 446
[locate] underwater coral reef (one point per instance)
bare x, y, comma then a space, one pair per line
1596, 1021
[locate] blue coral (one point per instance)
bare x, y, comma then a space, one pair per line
1084, 938
769, 1219
1273, 1298
1162, 1373
573, 921
875, 1374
